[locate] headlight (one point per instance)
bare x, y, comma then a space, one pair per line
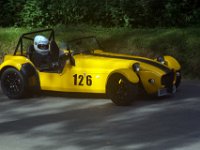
161, 59
136, 67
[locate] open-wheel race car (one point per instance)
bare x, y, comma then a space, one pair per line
84, 67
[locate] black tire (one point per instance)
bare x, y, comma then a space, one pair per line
13, 84
178, 81
120, 90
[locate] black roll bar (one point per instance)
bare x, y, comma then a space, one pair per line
24, 36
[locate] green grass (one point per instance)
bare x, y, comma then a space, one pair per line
9, 38
182, 43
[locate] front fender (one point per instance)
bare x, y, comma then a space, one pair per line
172, 63
128, 73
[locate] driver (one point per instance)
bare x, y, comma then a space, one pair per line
41, 56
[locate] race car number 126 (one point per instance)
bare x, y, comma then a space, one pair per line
81, 80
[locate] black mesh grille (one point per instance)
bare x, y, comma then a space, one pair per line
167, 80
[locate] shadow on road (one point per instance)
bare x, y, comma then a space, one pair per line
151, 124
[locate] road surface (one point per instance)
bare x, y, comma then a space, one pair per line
71, 122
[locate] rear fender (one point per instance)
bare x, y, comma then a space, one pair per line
27, 70
10, 63
14, 61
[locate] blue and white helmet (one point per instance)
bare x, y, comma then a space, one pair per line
41, 44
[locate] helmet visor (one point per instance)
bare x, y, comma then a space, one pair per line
43, 46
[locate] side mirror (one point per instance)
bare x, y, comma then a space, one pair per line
67, 46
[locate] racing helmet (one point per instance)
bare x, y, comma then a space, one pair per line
41, 44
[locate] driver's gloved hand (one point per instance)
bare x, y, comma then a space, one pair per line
54, 65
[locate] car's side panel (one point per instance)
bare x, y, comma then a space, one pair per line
74, 79
89, 75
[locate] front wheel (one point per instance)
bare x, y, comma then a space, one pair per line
178, 79
120, 90
13, 83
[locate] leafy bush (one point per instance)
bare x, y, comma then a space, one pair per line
32, 15
120, 13
9, 12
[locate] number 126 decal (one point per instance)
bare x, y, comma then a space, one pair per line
80, 80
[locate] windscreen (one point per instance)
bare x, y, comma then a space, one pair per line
84, 45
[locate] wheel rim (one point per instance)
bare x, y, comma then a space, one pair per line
12, 83
120, 89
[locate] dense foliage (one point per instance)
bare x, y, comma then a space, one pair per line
138, 13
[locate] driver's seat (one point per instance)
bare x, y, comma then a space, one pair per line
57, 61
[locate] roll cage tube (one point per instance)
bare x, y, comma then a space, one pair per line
25, 36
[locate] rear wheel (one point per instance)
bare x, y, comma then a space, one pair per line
13, 83
120, 90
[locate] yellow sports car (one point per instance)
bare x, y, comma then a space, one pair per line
82, 66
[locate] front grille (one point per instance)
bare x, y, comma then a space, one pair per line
167, 80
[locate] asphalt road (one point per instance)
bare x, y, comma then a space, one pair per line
71, 122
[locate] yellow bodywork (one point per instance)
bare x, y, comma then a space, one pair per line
14, 61
91, 72
97, 68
